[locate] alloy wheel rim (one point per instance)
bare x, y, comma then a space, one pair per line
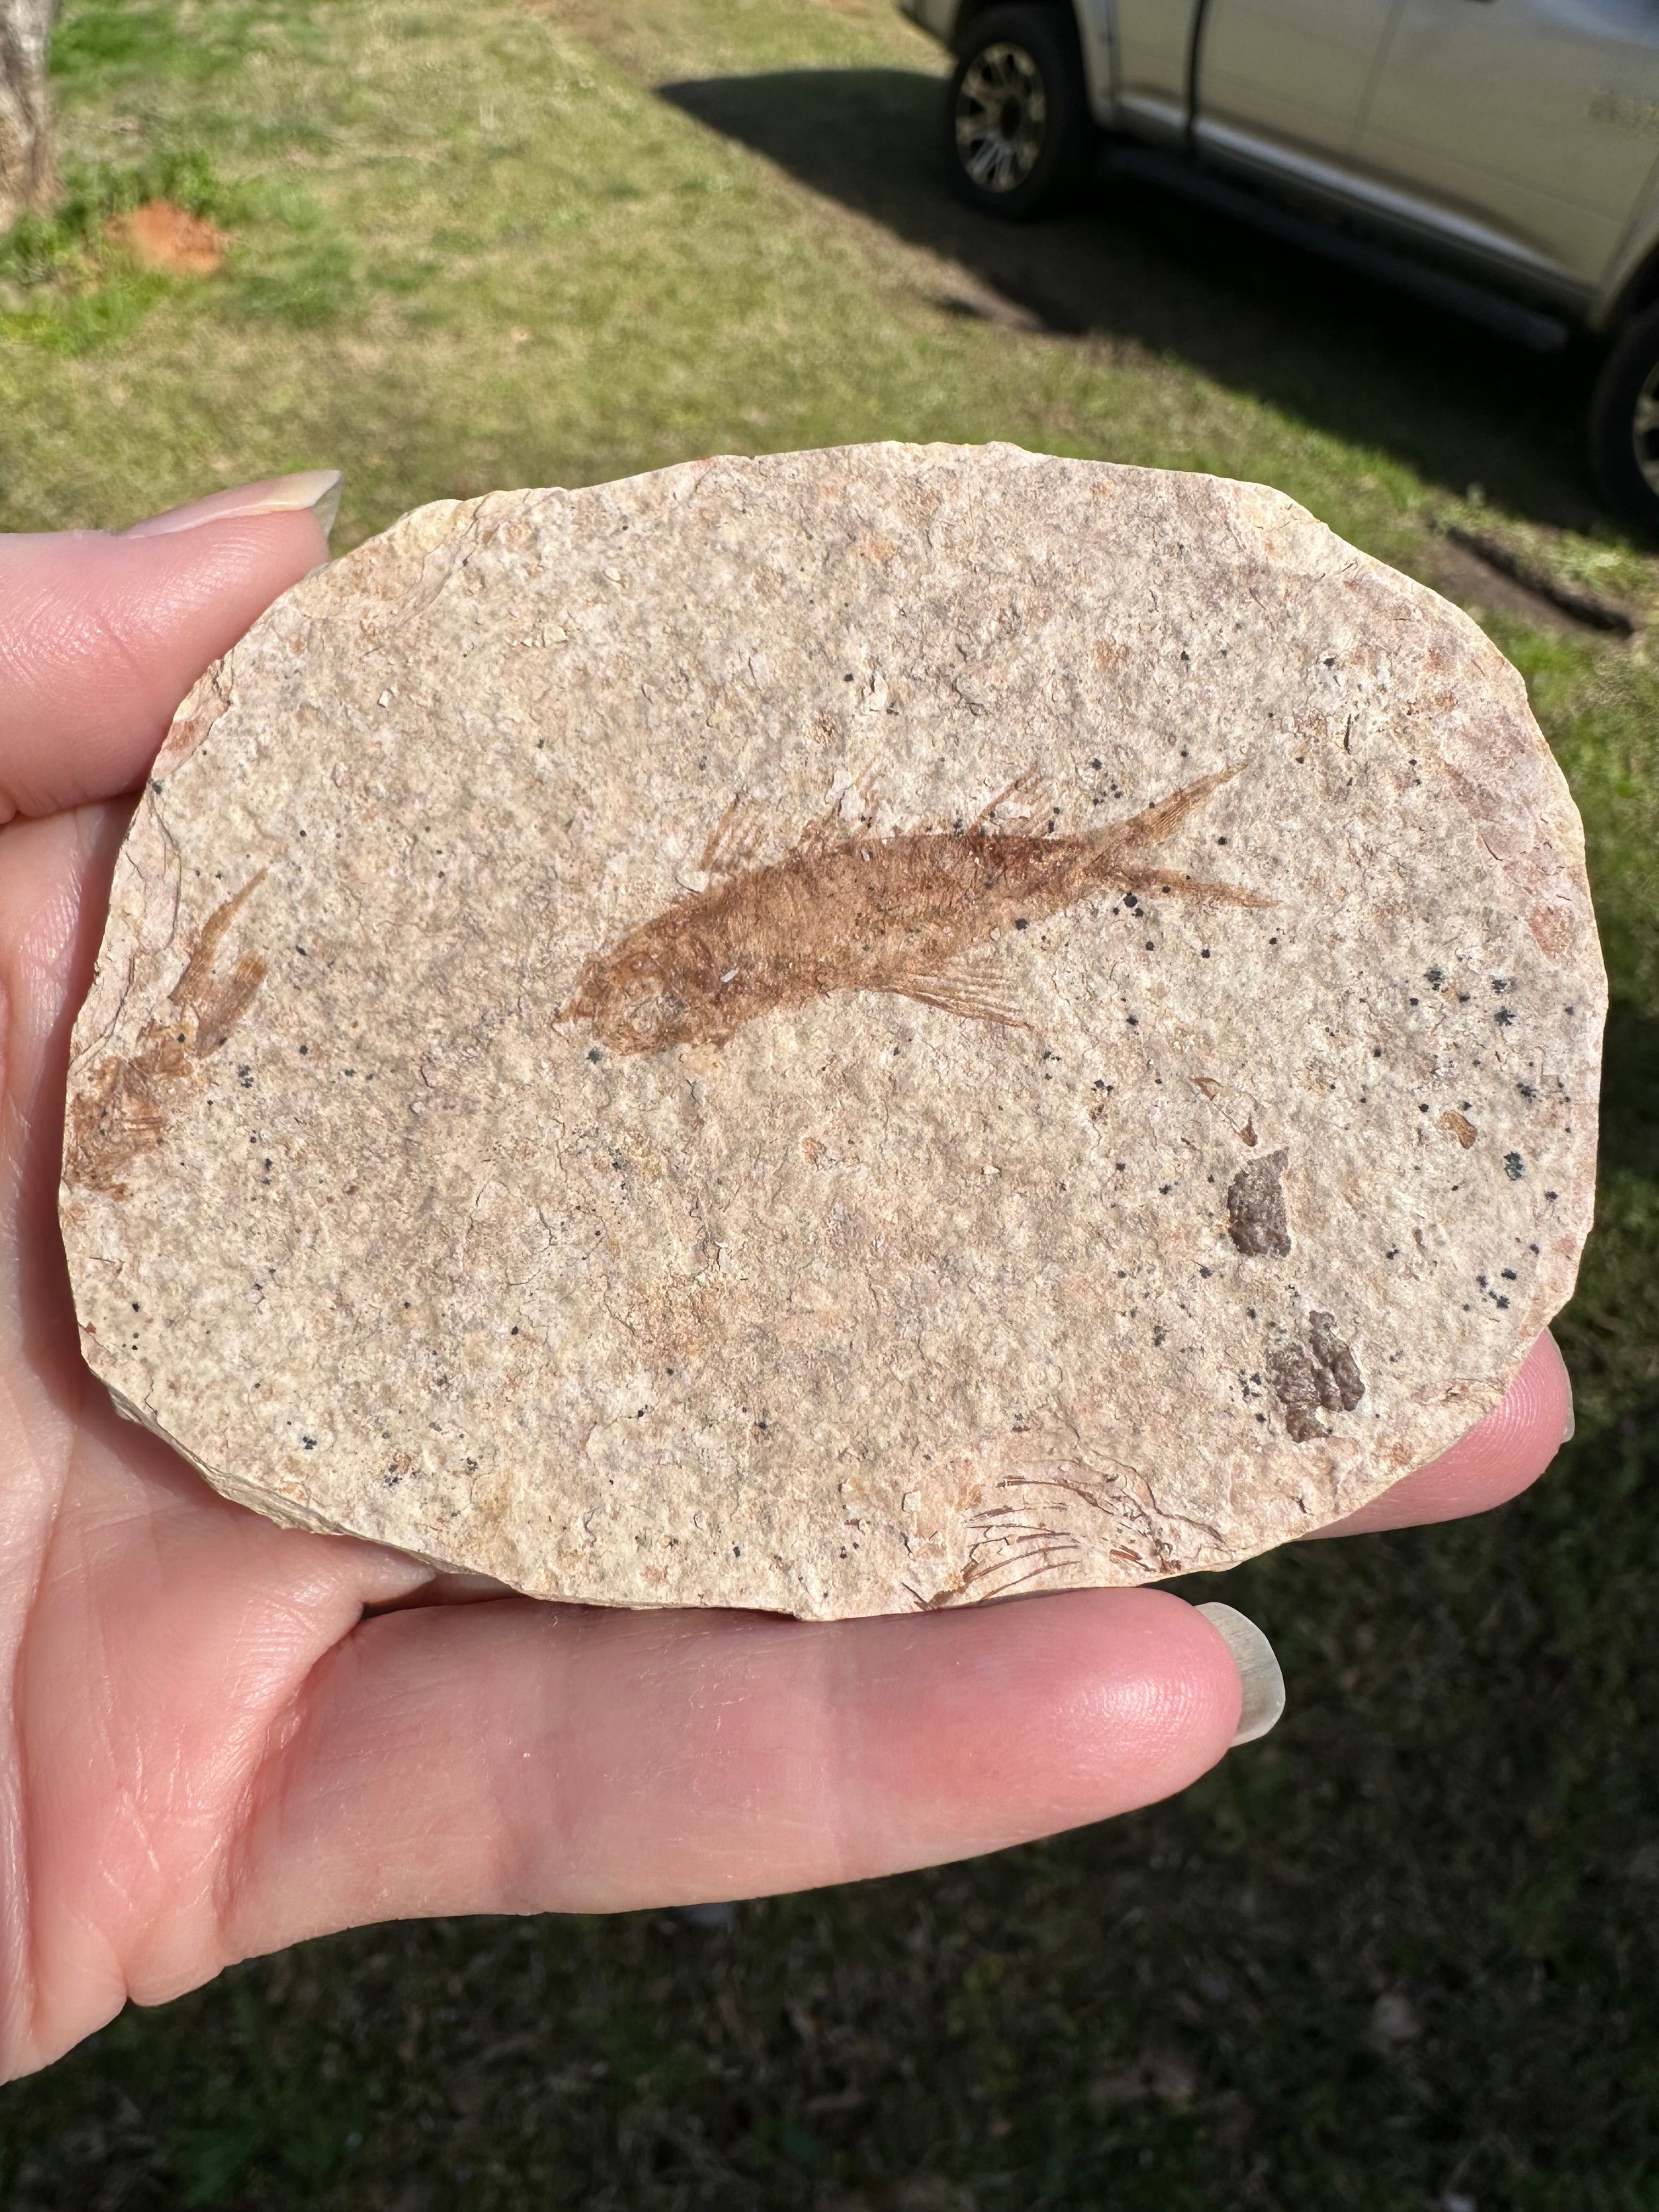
1002, 114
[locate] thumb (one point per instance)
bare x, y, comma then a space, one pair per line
102, 636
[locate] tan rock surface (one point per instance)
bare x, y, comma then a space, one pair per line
499, 1126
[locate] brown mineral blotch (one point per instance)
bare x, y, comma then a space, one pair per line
1256, 1220
848, 1032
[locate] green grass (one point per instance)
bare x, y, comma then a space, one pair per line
1399, 1955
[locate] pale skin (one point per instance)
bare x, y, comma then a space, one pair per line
219, 1737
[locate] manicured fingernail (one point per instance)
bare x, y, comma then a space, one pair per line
1258, 1670
316, 488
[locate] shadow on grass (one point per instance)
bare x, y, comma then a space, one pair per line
1347, 357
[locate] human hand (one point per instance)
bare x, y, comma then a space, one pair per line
225, 1737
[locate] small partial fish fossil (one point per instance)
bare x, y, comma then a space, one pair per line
846, 910
124, 1108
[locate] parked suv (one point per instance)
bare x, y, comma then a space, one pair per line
1496, 157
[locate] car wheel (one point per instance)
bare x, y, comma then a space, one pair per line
1624, 425
1017, 130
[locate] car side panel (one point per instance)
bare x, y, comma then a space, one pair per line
1539, 118
1293, 73
1154, 39
1406, 221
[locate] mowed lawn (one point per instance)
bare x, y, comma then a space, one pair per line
1400, 1957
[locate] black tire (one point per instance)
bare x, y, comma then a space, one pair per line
1624, 425
1018, 133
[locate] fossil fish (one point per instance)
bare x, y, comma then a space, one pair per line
126, 1110
846, 910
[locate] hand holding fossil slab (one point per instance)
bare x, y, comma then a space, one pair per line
846, 1032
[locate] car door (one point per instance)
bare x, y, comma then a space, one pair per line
1532, 124
1283, 82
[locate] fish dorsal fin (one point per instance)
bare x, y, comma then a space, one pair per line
734, 839
833, 827
1028, 804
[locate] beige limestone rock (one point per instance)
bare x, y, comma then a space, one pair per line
499, 1128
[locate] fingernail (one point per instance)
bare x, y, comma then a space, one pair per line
1567, 1433
1258, 1670
316, 488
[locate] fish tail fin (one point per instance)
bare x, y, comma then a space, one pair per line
1162, 819
1153, 882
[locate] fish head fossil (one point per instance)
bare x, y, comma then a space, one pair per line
639, 997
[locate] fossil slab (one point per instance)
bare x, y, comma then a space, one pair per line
851, 1032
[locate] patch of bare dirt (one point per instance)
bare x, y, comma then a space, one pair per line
159, 235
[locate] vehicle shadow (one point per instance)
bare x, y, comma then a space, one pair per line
1342, 353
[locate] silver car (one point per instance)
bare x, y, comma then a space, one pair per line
1498, 156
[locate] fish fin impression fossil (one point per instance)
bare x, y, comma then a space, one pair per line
911, 913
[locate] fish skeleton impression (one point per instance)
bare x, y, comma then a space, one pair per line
846, 910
